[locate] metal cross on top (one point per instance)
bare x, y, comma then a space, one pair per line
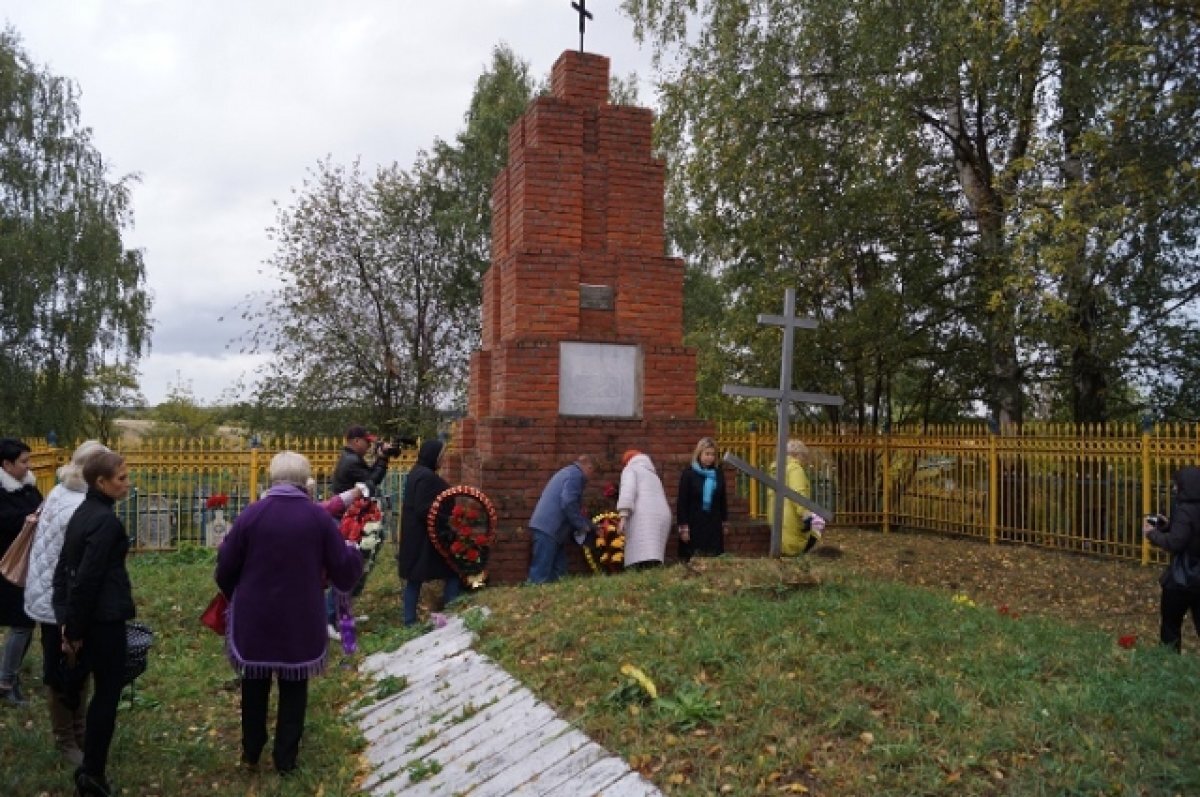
584, 16
785, 395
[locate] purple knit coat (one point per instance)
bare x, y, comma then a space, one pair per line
273, 566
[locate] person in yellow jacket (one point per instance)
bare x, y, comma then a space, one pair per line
801, 528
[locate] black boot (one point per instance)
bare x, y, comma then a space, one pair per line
90, 786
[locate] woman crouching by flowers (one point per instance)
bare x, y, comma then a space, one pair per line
273, 565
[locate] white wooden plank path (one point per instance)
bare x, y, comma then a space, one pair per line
487, 735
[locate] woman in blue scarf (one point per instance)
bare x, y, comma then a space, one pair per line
701, 509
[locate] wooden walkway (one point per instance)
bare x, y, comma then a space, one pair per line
436, 738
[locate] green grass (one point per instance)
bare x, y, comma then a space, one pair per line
182, 735
770, 679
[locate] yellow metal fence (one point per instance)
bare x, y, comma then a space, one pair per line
1083, 489
174, 480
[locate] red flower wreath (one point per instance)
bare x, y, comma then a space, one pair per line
472, 530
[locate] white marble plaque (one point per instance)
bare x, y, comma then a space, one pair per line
600, 379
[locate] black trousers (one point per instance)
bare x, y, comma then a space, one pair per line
104, 656
289, 720
1175, 604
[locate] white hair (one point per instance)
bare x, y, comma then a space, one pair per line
797, 449
288, 467
72, 472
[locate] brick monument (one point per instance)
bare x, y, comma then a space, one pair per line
582, 345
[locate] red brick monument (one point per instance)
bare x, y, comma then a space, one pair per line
582, 348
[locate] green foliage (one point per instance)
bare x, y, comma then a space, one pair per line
377, 309
979, 202
181, 415
420, 769
73, 299
110, 388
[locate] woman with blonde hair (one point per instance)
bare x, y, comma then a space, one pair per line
272, 566
801, 528
66, 715
701, 508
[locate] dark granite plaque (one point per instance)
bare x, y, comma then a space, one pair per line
595, 297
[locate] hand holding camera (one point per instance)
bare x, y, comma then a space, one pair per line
1153, 522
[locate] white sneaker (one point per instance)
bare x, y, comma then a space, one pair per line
334, 634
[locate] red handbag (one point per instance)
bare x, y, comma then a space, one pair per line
214, 613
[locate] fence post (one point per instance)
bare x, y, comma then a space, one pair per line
993, 481
752, 458
1146, 496
886, 476
253, 473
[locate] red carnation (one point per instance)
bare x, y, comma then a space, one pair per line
1127, 641
216, 501
472, 555
610, 491
458, 546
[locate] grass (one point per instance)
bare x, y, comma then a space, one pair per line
772, 678
182, 734
767, 678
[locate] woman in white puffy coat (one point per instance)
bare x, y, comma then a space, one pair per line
645, 513
66, 721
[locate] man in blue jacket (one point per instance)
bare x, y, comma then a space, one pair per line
558, 512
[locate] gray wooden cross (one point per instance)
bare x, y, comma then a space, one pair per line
785, 395
584, 15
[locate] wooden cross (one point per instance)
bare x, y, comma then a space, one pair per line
584, 15
785, 395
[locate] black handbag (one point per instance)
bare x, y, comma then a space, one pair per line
1183, 572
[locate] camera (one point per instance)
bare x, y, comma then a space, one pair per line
390, 448
1156, 521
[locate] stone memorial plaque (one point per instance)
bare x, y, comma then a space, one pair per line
600, 379
595, 297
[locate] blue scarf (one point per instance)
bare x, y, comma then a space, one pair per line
710, 484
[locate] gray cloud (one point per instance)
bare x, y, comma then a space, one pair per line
221, 106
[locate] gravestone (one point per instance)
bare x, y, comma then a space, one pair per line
582, 320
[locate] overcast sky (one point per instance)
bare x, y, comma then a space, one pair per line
222, 105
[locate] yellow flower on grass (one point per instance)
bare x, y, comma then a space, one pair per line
642, 679
962, 599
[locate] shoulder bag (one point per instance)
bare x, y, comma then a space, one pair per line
14, 566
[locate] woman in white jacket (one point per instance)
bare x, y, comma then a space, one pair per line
645, 513
66, 722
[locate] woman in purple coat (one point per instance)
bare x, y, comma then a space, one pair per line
272, 566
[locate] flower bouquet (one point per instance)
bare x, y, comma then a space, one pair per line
466, 533
218, 526
609, 554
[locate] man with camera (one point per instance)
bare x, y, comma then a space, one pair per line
352, 466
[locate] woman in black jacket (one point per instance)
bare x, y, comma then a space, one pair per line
93, 599
19, 498
419, 560
700, 508
1179, 536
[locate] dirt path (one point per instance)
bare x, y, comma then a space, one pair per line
1118, 597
